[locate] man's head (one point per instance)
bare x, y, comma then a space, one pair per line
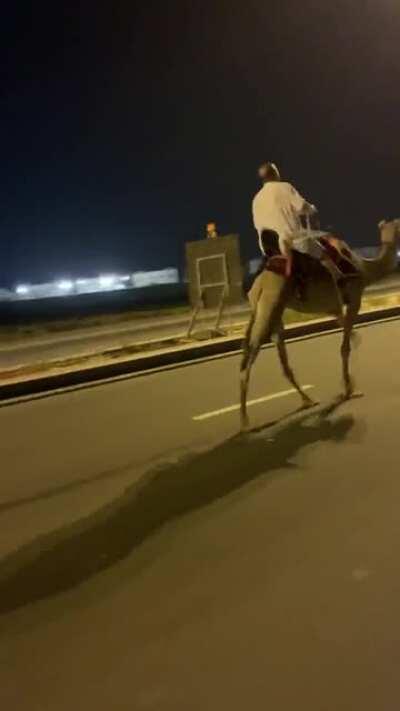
268, 172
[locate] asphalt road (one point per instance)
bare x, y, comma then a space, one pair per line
243, 572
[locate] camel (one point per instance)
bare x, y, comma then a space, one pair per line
272, 293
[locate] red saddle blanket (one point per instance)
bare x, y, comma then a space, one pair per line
335, 249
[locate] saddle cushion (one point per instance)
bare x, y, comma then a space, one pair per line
305, 267
340, 254
277, 264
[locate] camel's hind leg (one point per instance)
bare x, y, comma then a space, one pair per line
252, 345
288, 372
267, 298
349, 320
260, 330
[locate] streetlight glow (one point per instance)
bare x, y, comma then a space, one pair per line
65, 285
107, 281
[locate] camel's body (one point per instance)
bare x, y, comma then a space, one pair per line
272, 293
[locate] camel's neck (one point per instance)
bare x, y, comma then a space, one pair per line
381, 266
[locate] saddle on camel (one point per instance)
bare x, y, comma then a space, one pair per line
328, 253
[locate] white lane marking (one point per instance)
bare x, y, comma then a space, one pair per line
233, 408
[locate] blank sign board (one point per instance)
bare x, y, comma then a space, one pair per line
214, 265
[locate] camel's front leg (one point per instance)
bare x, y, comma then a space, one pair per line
345, 352
244, 386
349, 320
288, 372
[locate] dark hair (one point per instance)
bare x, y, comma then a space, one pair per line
269, 171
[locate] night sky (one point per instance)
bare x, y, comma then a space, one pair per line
125, 127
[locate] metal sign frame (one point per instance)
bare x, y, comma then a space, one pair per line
224, 283
202, 287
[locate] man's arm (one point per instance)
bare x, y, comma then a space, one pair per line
299, 204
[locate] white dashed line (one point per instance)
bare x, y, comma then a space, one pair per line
234, 408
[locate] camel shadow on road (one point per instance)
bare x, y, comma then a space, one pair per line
69, 556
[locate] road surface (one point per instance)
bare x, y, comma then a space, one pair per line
276, 586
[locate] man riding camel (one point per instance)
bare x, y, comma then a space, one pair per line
277, 212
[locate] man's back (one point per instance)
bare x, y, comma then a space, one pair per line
277, 206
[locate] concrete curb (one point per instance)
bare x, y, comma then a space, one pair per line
172, 357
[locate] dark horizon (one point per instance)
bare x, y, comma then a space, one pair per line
125, 130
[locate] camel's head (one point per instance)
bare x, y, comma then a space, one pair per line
390, 231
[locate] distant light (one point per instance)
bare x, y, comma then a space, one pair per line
65, 285
254, 264
162, 276
125, 278
82, 282
22, 289
107, 281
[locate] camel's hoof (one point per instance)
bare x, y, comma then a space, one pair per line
356, 394
353, 395
308, 403
245, 425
